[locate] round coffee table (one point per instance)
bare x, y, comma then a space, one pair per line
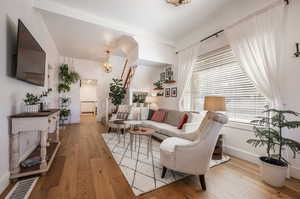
141, 131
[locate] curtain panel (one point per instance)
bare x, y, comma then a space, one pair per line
257, 42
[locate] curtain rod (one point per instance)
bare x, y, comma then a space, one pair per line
216, 34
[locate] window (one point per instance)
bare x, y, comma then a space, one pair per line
219, 73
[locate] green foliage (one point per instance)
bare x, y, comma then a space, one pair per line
135, 98
64, 113
66, 78
158, 84
31, 99
268, 132
117, 92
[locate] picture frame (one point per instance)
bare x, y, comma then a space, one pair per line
174, 92
167, 92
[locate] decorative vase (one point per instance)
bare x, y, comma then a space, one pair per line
32, 108
272, 174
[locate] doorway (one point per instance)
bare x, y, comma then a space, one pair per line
88, 97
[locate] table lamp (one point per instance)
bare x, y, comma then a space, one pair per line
214, 103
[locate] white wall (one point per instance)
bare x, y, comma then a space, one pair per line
92, 70
237, 134
12, 90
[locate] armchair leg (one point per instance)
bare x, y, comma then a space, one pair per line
163, 174
202, 182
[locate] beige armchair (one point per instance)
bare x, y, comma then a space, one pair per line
191, 153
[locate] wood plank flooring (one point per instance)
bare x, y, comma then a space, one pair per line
85, 169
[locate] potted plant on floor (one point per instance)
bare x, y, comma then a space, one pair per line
269, 134
117, 92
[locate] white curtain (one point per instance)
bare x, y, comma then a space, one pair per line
186, 59
257, 42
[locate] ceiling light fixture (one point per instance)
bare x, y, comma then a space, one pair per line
178, 2
107, 65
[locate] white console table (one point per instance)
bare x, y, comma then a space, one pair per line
39, 122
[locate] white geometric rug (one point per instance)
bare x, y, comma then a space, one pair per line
143, 174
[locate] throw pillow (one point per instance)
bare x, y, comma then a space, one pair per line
122, 115
158, 116
183, 121
150, 114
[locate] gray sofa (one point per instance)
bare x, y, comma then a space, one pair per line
168, 128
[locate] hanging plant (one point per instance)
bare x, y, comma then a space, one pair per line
67, 78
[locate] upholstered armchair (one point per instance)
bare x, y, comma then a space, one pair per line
192, 154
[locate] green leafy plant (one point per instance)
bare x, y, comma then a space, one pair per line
64, 113
117, 92
135, 98
268, 132
158, 84
67, 78
31, 99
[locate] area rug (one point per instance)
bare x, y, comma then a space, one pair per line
141, 172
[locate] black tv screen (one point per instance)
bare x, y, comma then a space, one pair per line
31, 58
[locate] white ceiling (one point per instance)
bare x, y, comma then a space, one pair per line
79, 39
153, 16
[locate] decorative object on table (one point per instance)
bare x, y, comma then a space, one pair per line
174, 92
66, 78
160, 94
178, 2
169, 76
31, 103
158, 85
297, 53
167, 92
146, 176
107, 65
269, 134
214, 103
44, 105
163, 77
116, 92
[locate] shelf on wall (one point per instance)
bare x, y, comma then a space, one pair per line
170, 81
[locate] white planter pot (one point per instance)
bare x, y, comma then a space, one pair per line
32, 108
272, 174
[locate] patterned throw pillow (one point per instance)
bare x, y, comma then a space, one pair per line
158, 116
122, 115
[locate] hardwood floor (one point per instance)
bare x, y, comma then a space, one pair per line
84, 169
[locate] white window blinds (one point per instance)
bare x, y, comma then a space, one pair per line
219, 73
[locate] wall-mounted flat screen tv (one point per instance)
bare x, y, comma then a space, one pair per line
31, 58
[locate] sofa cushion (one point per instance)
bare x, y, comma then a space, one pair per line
169, 144
163, 128
158, 116
183, 120
173, 117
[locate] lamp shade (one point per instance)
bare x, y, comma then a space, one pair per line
214, 103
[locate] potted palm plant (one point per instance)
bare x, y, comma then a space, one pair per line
269, 133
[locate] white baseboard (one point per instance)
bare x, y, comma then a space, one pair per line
251, 157
4, 181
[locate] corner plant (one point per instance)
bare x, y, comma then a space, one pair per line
268, 132
66, 78
117, 92
158, 84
